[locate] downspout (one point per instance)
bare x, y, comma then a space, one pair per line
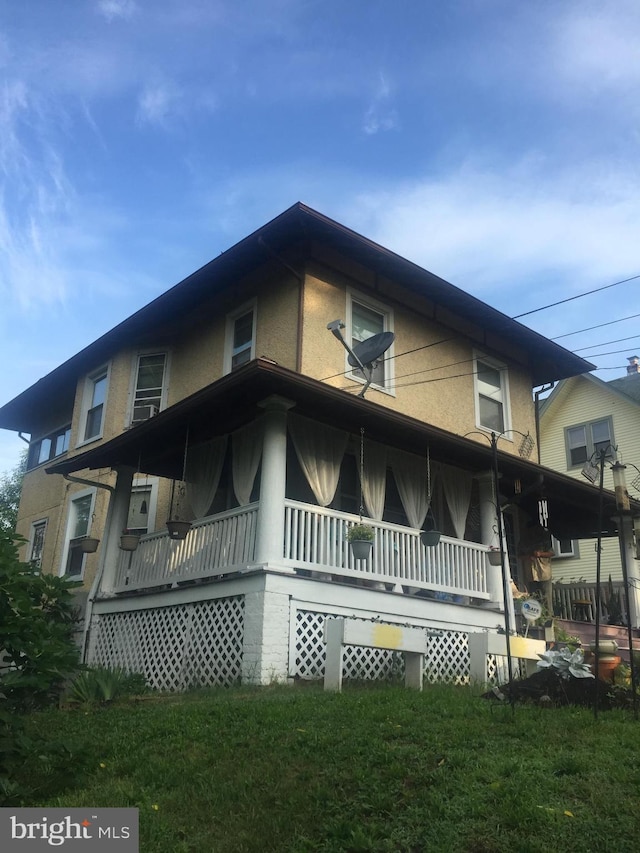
536, 396
98, 578
301, 280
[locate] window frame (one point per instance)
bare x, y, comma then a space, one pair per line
41, 523
150, 485
505, 396
590, 445
70, 527
386, 312
129, 421
90, 382
231, 320
53, 438
560, 554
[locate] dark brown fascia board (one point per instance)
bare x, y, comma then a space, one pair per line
548, 361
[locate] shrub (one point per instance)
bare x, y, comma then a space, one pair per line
99, 685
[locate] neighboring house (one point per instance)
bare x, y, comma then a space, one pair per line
227, 402
581, 416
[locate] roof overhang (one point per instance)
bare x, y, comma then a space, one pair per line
157, 446
294, 233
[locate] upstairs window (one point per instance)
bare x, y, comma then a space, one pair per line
44, 449
240, 338
149, 386
492, 397
583, 440
36, 543
95, 398
78, 526
366, 319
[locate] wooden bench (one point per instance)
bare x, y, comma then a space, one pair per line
412, 642
481, 645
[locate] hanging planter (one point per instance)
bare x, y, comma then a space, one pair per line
129, 541
178, 529
430, 538
494, 556
360, 538
89, 545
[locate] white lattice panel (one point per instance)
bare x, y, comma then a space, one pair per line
447, 658
177, 647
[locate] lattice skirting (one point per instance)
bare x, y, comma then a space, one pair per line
176, 647
447, 658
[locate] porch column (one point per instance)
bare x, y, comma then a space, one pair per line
270, 524
489, 536
116, 521
628, 557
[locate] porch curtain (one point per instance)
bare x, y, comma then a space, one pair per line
410, 474
204, 466
320, 450
457, 491
247, 453
374, 477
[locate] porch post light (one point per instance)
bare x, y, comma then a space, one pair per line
623, 506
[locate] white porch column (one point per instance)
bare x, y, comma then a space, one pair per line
270, 524
628, 557
116, 521
489, 536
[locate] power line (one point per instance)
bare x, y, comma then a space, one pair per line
607, 343
599, 326
577, 296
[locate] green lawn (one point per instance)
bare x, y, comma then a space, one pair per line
380, 769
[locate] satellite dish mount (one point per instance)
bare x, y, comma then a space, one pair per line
366, 355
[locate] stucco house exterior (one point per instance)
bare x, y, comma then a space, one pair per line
227, 402
582, 415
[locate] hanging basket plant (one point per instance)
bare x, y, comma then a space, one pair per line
178, 529
430, 538
494, 556
360, 538
129, 541
89, 545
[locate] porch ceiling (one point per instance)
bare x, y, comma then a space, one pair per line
156, 447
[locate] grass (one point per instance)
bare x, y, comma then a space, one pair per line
372, 769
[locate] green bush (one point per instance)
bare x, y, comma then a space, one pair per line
37, 653
99, 685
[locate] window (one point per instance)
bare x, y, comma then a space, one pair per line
78, 526
583, 440
149, 389
36, 543
240, 338
94, 400
142, 507
367, 318
492, 398
49, 447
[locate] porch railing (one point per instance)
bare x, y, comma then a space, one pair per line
315, 539
218, 545
577, 601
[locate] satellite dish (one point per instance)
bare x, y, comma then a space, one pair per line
369, 351
365, 355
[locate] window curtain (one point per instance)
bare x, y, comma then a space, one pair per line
410, 474
204, 466
374, 477
320, 450
247, 452
457, 491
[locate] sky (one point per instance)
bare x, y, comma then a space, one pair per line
494, 143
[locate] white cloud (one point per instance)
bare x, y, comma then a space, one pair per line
380, 115
157, 103
113, 9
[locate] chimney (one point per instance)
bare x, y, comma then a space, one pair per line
634, 364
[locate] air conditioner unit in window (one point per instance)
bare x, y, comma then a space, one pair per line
143, 413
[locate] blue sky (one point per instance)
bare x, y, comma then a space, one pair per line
494, 143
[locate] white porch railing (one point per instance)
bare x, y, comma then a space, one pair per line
315, 539
218, 545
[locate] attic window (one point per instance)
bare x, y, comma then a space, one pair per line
240, 337
492, 397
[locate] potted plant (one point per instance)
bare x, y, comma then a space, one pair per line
430, 537
494, 556
128, 540
360, 538
89, 544
178, 529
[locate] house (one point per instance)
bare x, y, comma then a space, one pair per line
582, 416
228, 403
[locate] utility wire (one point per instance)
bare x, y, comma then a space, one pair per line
599, 326
577, 296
